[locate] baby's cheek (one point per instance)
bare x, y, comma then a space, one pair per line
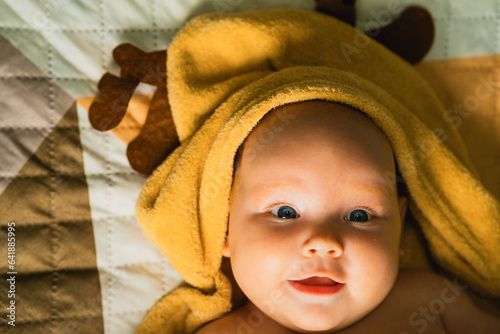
259, 262
386, 239
373, 255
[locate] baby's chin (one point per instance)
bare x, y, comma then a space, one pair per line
321, 319
317, 328
315, 325
316, 321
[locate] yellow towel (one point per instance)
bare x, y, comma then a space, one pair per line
225, 72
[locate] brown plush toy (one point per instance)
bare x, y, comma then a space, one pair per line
410, 36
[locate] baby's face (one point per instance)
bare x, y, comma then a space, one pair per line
312, 198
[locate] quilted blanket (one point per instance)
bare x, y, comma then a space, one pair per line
73, 258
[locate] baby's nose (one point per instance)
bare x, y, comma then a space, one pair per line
322, 247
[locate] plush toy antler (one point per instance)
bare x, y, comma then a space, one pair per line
410, 36
158, 136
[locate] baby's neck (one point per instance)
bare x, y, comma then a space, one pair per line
251, 316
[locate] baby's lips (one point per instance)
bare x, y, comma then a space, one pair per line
316, 280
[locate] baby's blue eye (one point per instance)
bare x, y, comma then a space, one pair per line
358, 216
286, 212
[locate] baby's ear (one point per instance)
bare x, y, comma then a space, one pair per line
225, 249
403, 204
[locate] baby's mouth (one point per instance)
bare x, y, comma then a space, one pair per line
317, 285
315, 280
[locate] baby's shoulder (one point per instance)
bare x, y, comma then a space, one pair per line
214, 326
425, 291
433, 301
220, 325
429, 289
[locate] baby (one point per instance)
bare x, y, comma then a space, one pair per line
314, 234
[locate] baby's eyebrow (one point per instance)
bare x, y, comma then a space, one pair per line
371, 189
291, 181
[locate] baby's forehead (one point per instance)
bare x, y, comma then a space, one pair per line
312, 140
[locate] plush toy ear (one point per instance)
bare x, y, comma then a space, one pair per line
410, 35
158, 136
340, 9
